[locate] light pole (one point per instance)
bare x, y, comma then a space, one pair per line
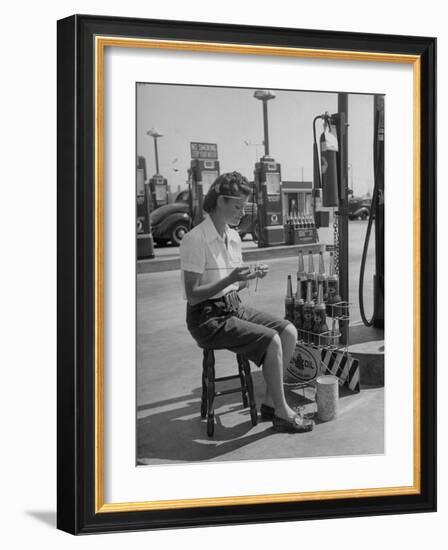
155, 134
264, 96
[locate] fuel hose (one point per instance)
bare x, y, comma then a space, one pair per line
373, 205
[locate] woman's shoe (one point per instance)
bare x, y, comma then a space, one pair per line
298, 424
267, 412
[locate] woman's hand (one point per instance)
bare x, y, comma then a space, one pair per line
262, 270
239, 274
258, 271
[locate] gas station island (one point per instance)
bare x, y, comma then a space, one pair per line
318, 261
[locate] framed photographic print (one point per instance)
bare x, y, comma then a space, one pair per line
246, 274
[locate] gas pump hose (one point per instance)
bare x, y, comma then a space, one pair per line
366, 321
373, 205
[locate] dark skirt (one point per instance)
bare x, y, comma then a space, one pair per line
227, 324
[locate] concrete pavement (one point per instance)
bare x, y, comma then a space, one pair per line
169, 426
171, 430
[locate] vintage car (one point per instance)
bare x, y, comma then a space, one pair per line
169, 223
359, 208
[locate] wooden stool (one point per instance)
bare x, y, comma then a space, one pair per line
209, 392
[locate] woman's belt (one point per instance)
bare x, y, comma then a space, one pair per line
231, 301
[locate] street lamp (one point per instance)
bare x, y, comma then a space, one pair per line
155, 134
265, 96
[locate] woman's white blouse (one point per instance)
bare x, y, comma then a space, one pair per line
204, 251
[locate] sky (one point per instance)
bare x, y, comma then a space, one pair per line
233, 119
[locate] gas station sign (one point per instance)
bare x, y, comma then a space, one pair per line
203, 150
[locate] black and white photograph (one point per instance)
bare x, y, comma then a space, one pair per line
220, 274
260, 274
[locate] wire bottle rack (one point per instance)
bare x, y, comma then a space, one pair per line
337, 314
316, 352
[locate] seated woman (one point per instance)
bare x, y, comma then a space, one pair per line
213, 273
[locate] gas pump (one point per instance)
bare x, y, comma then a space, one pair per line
267, 179
267, 185
331, 186
158, 185
203, 172
145, 245
159, 190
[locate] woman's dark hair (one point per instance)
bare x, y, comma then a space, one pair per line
231, 184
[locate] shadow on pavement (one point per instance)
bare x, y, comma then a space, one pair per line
173, 430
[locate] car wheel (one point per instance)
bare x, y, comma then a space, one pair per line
178, 232
364, 216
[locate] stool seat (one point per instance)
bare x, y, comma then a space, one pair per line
209, 381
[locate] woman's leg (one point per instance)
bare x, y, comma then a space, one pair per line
258, 342
273, 375
288, 338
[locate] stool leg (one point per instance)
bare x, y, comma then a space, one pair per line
241, 372
204, 385
210, 393
250, 391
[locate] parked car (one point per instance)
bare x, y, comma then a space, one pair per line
171, 222
249, 223
359, 208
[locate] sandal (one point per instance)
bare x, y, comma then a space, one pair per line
267, 412
298, 424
